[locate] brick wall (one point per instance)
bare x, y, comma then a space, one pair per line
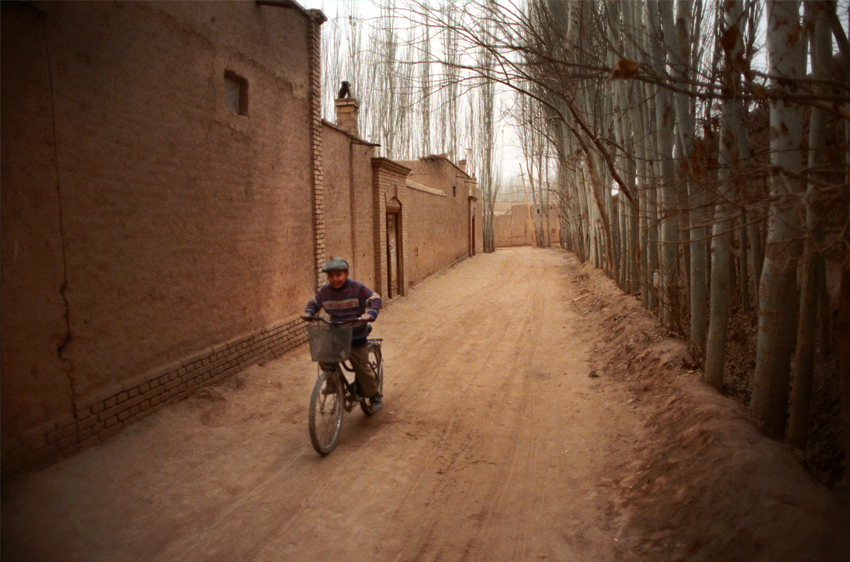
107, 412
476, 211
363, 213
389, 186
516, 228
349, 213
438, 224
144, 220
35, 313
157, 238
338, 209
314, 40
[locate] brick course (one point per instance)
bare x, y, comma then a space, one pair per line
102, 416
314, 42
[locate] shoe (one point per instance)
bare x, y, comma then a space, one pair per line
375, 403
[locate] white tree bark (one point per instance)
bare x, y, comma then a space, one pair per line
777, 322
821, 57
667, 203
721, 260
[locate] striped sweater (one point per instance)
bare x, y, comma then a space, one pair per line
347, 303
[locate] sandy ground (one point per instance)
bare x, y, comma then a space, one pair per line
495, 443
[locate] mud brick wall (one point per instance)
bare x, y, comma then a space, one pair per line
349, 210
314, 45
516, 228
144, 217
388, 179
338, 206
438, 227
103, 415
502, 226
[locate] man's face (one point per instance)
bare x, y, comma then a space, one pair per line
337, 278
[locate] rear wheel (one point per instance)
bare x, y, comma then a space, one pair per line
376, 363
326, 407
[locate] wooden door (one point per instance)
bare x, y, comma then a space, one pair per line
392, 255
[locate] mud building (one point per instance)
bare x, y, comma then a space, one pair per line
169, 193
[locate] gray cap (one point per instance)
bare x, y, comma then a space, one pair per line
335, 264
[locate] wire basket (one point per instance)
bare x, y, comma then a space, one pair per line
329, 344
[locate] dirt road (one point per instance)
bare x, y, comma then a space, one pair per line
494, 443
490, 446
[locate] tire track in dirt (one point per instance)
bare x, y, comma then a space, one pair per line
447, 448
304, 513
513, 389
491, 445
523, 450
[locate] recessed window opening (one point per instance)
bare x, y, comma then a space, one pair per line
454, 191
235, 93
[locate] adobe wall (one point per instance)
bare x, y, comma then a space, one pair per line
554, 238
365, 215
349, 202
522, 226
438, 227
389, 189
35, 326
516, 228
338, 196
153, 240
502, 230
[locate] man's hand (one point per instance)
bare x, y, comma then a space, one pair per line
306, 316
367, 317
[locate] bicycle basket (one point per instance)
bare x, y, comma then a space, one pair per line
329, 344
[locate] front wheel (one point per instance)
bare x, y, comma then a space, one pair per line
326, 407
376, 363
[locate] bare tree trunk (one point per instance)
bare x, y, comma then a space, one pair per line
743, 277
643, 210
697, 233
730, 130
548, 188
651, 193
776, 328
538, 222
756, 255
667, 201
621, 156
426, 92
485, 141
798, 423
843, 327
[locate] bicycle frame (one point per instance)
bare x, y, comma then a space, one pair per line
329, 401
352, 394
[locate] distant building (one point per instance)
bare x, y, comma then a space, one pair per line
514, 224
445, 217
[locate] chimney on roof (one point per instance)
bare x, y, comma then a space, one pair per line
462, 165
347, 115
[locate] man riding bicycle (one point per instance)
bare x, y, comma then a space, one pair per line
345, 299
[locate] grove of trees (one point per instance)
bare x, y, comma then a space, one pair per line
697, 152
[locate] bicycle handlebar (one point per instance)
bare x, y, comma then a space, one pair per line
336, 322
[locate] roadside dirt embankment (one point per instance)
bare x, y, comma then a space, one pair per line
704, 484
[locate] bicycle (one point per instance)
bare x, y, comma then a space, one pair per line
333, 393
